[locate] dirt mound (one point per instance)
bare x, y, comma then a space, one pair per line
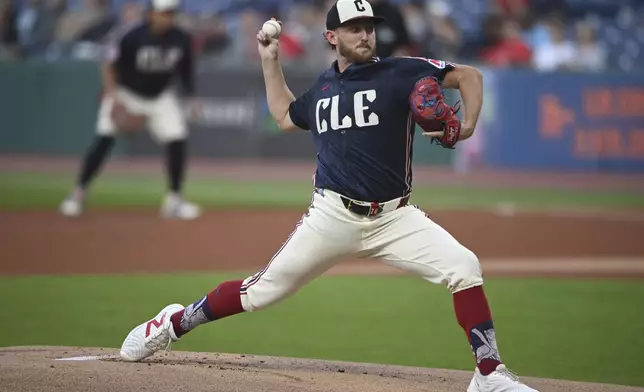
71, 369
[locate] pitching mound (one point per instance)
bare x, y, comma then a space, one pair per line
97, 369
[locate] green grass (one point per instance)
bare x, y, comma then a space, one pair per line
29, 191
570, 329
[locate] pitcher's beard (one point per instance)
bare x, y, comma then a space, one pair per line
358, 55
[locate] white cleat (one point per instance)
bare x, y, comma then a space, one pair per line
500, 380
151, 336
177, 208
71, 206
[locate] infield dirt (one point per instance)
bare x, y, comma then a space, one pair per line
101, 242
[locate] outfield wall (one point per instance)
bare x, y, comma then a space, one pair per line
564, 121
530, 121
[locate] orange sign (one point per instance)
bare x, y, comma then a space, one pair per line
636, 142
631, 102
553, 116
609, 111
604, 102
609, 143
599, 102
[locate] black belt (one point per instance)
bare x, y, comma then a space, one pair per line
369, 210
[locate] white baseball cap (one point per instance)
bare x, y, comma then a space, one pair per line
346, 10
165, 5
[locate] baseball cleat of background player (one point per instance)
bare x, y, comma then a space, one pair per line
139, 69
361, 114
175, 207
72, 206
151, 336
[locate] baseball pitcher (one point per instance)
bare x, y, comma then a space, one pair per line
138, 76
361, 114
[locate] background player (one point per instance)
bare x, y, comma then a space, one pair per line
138, 76
359, 115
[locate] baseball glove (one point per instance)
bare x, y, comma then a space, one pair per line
125, 120
432, 114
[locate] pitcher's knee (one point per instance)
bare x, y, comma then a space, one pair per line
466, 272
262, 293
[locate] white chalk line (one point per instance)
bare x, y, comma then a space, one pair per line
576, 266
511, 210
88, 358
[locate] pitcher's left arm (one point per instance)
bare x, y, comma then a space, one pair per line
186, 66
469, 81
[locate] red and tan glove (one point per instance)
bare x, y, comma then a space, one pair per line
125, 120
432, 114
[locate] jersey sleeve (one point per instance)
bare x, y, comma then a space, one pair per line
299, 110
409, 70
420, 67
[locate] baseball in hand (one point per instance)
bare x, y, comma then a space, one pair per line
272, 28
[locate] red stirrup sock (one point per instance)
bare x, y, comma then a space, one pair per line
222, 302
473, 314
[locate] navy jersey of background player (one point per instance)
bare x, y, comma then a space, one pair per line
147, 63
361, 125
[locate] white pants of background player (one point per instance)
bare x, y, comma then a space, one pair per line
165, 121
405, 238
165, 117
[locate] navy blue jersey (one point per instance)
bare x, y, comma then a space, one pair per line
147, 63
361, 125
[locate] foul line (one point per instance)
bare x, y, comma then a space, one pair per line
88, 358
608, 267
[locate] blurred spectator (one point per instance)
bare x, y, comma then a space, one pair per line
8, 31
131, 14
250, 21
74, 23
545, 8
36, 24
505, 46
444, 38
303, 35
499, 33
538, 27
88, 44
96, 32
556, 55
589, 55
292, 45
415, 17
392, 35
513, 9
208, 32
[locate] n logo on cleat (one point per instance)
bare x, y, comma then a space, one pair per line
157, 324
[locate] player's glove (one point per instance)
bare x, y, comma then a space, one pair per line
451, 130
432, 114
126, 121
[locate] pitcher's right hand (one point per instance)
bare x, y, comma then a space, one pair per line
268, 47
